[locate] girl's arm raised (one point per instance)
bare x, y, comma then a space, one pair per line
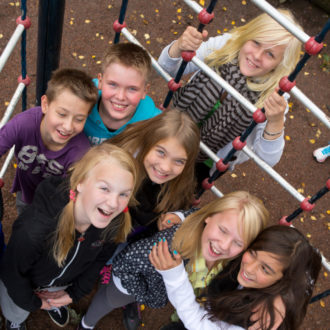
181, 294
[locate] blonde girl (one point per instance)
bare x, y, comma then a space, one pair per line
61, 242
216, 233
165, 148
252, 58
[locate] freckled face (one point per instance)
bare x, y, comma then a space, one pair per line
165, 161
259, 269
221, 238
257, 59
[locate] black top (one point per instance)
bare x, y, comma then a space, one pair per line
28, 263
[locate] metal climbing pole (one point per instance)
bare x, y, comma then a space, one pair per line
50, 27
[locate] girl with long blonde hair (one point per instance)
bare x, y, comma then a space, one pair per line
206, 239
252, 58
60, 243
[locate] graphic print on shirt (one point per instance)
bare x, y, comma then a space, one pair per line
29, 154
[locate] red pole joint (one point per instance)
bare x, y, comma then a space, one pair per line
25, 81
259, 116
305, 205
188, 56
221, 167
26, 23
328, 184
205, 17
238, 144
286, 85
173, 86
2, 183
312, 47
117, 26
283, 222
206, 184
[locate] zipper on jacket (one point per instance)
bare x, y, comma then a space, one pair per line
80, 240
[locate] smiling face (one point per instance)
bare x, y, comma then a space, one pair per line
165, 161
221, 238
63, 119
257, 59
104, 194
259, 269
122, 89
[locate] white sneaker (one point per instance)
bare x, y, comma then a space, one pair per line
321, 154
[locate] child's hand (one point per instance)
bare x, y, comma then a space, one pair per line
50, 295
275, 106
167, 220
190, 40
63, 300
45, 304
161, 257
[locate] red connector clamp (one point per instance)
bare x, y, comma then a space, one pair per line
221, 167
328, 184
187, 56
305, 205
117, 26
313, 47
286, 85
205, 17
206, 184
238, 144
26, 23
283, 222
2, 183
173, 86
25, 81
259, 116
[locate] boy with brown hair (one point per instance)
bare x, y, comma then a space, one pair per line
48, 139
123, 86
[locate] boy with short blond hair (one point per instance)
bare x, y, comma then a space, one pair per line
123, 86
48, 139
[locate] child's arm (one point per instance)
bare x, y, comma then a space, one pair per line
169, 219
172, 64
137, 275
180, 291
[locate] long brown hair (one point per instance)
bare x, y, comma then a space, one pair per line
141, 137
301, 263
252, 218
118, 228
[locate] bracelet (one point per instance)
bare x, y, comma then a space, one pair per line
273, 134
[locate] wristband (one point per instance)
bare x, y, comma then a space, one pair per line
273, 134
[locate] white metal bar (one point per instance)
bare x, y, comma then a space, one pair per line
216, 191
231, 90
277, 177
12, 104
194, 6
129, 36
325, 263
317, 112
6, 162
281, 19
208, 151
11, 45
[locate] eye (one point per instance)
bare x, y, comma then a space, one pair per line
112, 84
252, 253
239, 244
80, 120
222, 230
125, 195
160, 152
133, 89
180, 162
256, 42
265, 270
270, 54
61, 114
106, 189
